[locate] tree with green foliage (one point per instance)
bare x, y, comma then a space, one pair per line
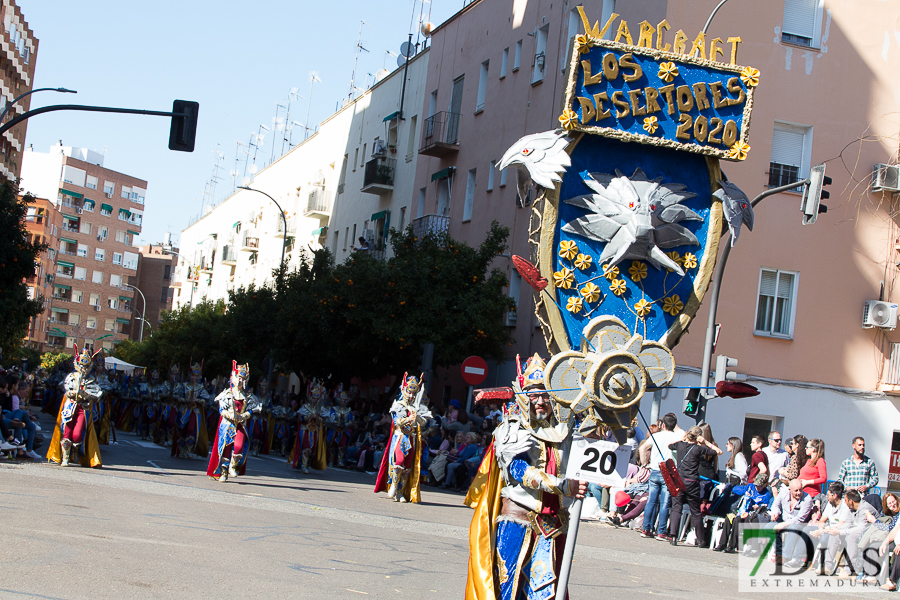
17, 262
52, 360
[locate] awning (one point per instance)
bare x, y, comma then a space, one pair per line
121, 320
60, 310
380, 215
442, 174
75, 194
107, 207
319, 231
126, 298
72, 217
91, 202
132, 232
126, 211
65, 287
392, 116
63, 263
68, 240
236, 223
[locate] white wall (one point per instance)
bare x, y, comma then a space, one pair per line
41, 174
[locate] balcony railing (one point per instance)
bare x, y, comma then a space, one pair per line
249, 244
379, 176
318, 204
433, 224
291, 228
228, 255
440, 136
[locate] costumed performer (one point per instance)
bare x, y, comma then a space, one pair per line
189, 437
518, 531
309, 445
401, 464
258, 426
168, 408
229, 451
75, 424
103, 410
338, 420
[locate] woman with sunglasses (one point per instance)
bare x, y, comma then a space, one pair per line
814, 473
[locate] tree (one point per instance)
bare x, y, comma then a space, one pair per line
17, 262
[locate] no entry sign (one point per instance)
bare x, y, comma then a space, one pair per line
474, 370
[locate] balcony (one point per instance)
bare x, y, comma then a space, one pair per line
430, 224
291, 228
440, 137
379, 176
249, 244
228, 255
318, 204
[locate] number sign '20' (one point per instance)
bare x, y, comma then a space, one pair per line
598, 461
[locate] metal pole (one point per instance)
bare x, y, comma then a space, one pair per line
283, 219
566, 566
39, 111
405, 72
143, 310
20, 96
714, 295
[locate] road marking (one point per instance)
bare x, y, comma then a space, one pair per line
111, 538
166, 473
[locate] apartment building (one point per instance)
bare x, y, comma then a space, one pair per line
43, 222
17, 61
156, 266
793, 305
102, 212
352, 178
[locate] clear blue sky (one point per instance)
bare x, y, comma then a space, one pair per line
237, 59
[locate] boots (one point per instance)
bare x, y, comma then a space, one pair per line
235, 463
341, 452
255, 446
396, 488
304, 462
225, 467
402, 486
66, 447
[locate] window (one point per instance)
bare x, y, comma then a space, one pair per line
776, 307
99, 254
411, 144
364, 153
165, 295
343, 176
504, 62
97, 277
112, 302
515, 285
402, 217
130, 261
91, 183
609, 7
108, 188
94, 300
470, 196
517, 59
88, 207
117, 258
482, 86
503, 177
432, 104
493, 168
102, 233
105, 210
85, 228
70, 342
90, 322
420, 205
77, 296
571, 32
107, 345
126, 192
355, 159
540, 54
120, 236
353, 239
115, 280
346, 237
74, 319
802, 23
167, 271
82, 250
790, 157
80, 273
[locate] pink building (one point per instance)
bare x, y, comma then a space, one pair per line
793, 301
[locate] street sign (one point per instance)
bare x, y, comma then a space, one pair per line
598, 461
474, 370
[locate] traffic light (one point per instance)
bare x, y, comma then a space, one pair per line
692, 400
813, 194
183, 130
723, 374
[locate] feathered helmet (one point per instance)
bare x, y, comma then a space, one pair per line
409, 386
315, 391
197, 369
262, 385
531, 374
174, 369
239, 374
340, 395
84, 359
154, 374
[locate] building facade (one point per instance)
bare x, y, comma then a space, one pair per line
156, 266
352, 178
102, 212
17, 61
793, 301
43, 222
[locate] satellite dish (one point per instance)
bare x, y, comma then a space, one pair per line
253, 169
401, 60
381, 74
426, 28
407, 49
245, 180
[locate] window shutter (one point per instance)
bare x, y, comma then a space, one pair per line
785, 285
799, 17
787, 147
767, 283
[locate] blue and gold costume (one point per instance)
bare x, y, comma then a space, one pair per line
236, 405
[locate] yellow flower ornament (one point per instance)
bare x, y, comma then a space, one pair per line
651, 124
673, 305
618, 287
590, 293
568, 119
738, 151
668, 71
584, 43
564, 278
637, 271
642, 308
750, 76
610, 272
583, 261
689, 261
574, 305
568, 249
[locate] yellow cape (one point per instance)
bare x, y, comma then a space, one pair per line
201, 448
413, 489
484, 497
90, 457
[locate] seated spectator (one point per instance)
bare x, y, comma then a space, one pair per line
791, 511
759, 462
755, 501
631, 501
835, 513
736, 467
798, 459
776, 457
437, 470
876, 532
845, 536
16, 419
891, 584
457, 470
814, 473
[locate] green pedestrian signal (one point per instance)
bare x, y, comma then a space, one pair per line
692, 399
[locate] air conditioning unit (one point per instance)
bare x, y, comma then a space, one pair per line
97, 307
108, 194
886, 178
877, 313
79, 211
379, 148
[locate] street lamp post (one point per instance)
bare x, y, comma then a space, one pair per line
283, 219
20, 96
141, 335
143, 320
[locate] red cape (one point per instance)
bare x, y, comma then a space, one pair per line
215, 458
381, 482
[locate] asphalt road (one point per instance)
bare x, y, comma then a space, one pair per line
149, 526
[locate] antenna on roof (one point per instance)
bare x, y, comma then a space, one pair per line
359, 47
